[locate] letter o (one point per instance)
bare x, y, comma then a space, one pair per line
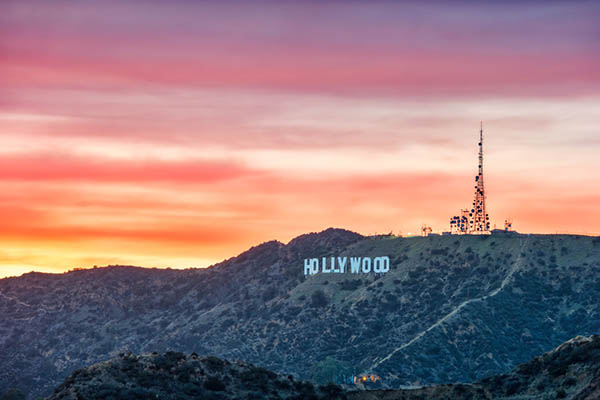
377, 261
314, 265
366, 265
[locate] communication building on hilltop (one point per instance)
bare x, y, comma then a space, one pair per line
426, 230
475, 221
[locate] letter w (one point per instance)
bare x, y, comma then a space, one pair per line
355, 264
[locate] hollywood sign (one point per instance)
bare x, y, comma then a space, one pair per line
340, 265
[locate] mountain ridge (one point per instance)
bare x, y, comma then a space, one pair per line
259, 306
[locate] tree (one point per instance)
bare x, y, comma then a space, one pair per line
13, 394
329, 370
319, 299
213, 383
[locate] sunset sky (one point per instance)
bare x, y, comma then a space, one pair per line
181, 133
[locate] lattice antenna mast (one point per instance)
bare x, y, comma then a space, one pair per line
479, 223
481, 152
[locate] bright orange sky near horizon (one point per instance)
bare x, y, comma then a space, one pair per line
177, 134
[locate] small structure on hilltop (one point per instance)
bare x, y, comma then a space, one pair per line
425, 230
366, 378
459, 224
507, 231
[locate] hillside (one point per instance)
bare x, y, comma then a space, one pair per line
571, 371
450, 309
175, 376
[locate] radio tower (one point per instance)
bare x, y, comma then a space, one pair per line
479, 219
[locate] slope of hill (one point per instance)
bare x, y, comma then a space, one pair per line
450, 309
175, 376
572, 371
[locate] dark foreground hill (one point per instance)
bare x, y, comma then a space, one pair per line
451, 309
175, 376
572, 371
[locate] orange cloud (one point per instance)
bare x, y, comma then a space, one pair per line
67, 167
182, 133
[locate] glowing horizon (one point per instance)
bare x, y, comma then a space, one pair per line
181, 134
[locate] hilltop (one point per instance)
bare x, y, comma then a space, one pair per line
571, 371
451, 309
175, 376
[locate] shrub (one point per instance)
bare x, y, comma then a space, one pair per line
191, 389
227, 323
350, 284
13, 394
269, 294
329, 370
570, 382
558, 370
169, 360
257, 378
319, 299
283, 384
512, 388
214, 364
304, 387
213, 383
331, 390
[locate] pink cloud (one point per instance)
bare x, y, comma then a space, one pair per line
66, 167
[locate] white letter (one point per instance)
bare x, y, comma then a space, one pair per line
307, 266
325, 270
355, 264
377, 265
386, 264
342, 264
381, 265
315, 265
333, 269
366, 265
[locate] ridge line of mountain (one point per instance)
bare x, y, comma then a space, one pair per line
260, 307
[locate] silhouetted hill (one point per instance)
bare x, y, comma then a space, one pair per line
572, 371
177, 376
451, 309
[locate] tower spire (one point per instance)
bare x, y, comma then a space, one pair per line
481, 150
479, 223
